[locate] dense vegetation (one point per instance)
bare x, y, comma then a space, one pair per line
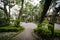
28, 12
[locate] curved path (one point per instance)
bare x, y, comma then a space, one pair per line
27, 33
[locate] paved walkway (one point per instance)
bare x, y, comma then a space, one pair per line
27, 33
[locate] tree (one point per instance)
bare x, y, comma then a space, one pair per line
5, 10
45, 8
53, 19
7, 14
10, 4
20, 12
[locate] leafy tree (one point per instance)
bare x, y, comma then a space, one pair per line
5, 10
53, 19
45, 8
17, 24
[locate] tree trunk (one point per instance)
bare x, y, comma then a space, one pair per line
5, 10
7, 15
18, 19
45, 9
53, 20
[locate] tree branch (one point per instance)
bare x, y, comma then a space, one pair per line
1, 8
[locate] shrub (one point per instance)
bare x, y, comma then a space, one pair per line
43, 23
46, 32
43, 31
50, 26
39, 25
10, 29
57, 33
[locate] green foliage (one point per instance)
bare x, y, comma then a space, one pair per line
18, 1
43, 31
57, 33
39, 25
17, 23
10, 29
3, 22
2, 15
29, 5
43, 23
16, 20
50, 26
25, 10
46, 32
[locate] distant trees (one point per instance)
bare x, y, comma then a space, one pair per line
39, 11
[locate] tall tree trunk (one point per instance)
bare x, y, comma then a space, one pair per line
45, 9
18, 19
53, 20
5, 10
7, 15
9, 11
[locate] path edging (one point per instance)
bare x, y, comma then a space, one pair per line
35, 36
